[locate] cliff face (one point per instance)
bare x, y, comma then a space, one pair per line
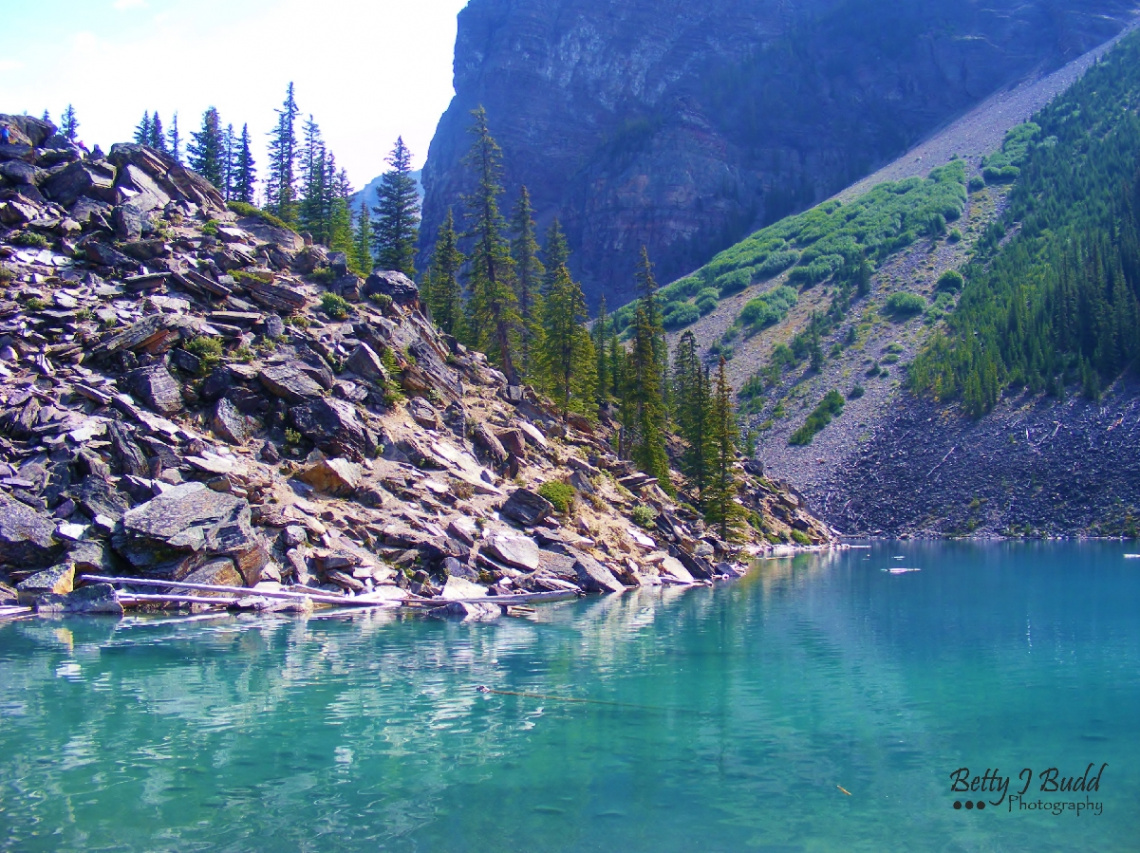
684, 126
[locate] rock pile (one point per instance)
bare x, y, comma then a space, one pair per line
175, 405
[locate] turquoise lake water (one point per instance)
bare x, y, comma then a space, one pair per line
710, 719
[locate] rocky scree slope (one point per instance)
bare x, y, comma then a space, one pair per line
188, 394
685, 126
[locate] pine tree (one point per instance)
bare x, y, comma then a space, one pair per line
721, 507
601, 349
646, 408
229, 162
446, 307
555, 253
280, 185
528, 286
694, 414
311, 212
175, 140
143, 133
396, 227
362, 251
245, 176
493, 307
46, 116
207, 150
69, 124
568, 357
339, 224
647, 286
157, 135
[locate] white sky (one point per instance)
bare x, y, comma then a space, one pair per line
368, 70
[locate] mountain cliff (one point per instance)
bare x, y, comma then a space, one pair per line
685, 126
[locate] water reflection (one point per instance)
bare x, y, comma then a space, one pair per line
637, 722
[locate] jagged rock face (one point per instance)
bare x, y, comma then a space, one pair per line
684, 126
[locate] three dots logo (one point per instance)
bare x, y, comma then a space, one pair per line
969, 804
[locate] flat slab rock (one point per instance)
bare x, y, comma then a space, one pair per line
526, 507
519, 552
26, 537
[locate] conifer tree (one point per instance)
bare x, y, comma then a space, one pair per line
245, 176
721, 507
362, 250
568, 356
175, 140
229, 162
339, 224
601, 349
647, 286
528, 287
555, 253
69, 124
207, 150
46, 116
157, 135
694, 414
396, 228
446, 306
143, 132
646, 408
281, 184
493, 306
315, 188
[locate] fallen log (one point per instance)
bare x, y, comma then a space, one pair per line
291, 595
522, 598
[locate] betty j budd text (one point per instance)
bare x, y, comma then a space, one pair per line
1051, 781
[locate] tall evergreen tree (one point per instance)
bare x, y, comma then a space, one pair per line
245, 175
567, 352
721, 507
339, 223
207, 150
446, 307
281, 182
157, 135
601, 349
494, 316
69, 124
175, 140
528, 286
645, 408
46, 116
229, 162
315, 187
555, 253
363, 248
143, 132
396, 227
647, 287
694, 414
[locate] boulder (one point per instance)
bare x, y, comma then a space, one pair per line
156, 388
219, 572
26, 538
423, 413
333, 476
81, 178
518, 552
176, 532
593, 576
526, 507
285, 239
456, 569
128, 221
28, 130
96, 598
489, 444
401, 289
290, 382
228, 423
672, 568
463, 529
58, 580
333, 427
466, 612
366, 364
458, 588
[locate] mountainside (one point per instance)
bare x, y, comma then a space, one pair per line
954, 354
191, 393
684, 127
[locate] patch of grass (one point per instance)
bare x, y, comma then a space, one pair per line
831, 406
643, 516
901, 305
35, 304
210, 229
31, 240
335, 306
258, 276
800, 538
323, 275
561, 495
243, 209
208, 350
7, 274
856, 392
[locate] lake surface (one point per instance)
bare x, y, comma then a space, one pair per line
664, 720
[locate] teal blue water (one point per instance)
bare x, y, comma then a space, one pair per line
711, 719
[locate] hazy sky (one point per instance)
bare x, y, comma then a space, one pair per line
368, 70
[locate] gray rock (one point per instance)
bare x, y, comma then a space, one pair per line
332, 426
156, 388
491, 446
219, 572
81, 178
593, 576
333, 476
458, 588
526, 507
290, 382
95, 598
456, 569
463, 529
128, 221
58, 580
466, 612
366, 364
423, 413
401, 289
26, 537
519, 552
228, 423
274, 326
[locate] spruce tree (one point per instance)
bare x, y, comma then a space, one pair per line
555, 253
693, 403
175, 140
446, 307
396, 227
229, 162
528, 286
721, 507
157, 135
69, 124
245, 176
362, 251
647, 287
143, 132
646, 412
493, 306
568, 357
280, 185
339, 223
207, 150
601, 349
315, 189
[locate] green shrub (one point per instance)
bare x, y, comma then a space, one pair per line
335, 306
252, 276
7, 274
904, 304
643, 516
243, 209
382, 300
31, 240
976, 183
561, 495
733, 282
955, 236
35, 304
210, 229
768, 309
831, 406
680, 314
856, 392
209, 352
323, 275
800, 538
951, 280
